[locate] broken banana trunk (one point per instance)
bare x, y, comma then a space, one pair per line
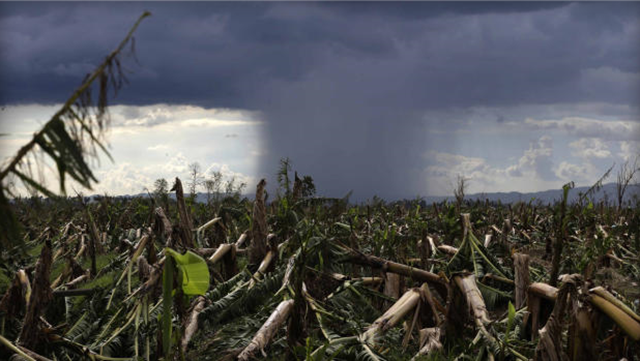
429, 341
191, 324
623, 319
258, 247
550, 346
599, 297
41, 295
17, 296
467, 284
522, 280
398, 268
267, 331
222, 250
393, 315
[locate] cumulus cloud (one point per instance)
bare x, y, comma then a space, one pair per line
537, 160
583, 173
124, 178
181, 116
590, 148
534, 167
629, 150
229, 175
143, 153
127, 178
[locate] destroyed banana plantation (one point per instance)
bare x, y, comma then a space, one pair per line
293, 276
307, 278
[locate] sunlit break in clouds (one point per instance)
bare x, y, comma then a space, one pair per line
388, 99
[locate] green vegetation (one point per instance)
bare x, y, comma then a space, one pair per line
395, 281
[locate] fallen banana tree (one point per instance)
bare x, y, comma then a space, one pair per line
414, 273
393, 315
267, 331
549, 348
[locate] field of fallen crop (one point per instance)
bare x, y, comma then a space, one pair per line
307, 278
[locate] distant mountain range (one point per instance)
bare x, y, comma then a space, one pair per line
607, 192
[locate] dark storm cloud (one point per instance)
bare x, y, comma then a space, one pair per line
343, 86
224, 54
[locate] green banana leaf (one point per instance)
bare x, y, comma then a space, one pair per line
193, 271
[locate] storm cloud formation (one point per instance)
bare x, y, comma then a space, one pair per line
354, 93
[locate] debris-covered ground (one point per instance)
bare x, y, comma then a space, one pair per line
306, 278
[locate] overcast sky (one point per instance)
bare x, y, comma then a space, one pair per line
393, 99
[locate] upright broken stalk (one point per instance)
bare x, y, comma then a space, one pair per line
522, 281
31, 335
258, 247
550, 346
560, 235
185, 220
17, 296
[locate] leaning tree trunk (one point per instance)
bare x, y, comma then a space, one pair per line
267, 331
191, 323
393, 315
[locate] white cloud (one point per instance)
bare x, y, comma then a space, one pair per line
579, 173
124, 178
159, 147
178, 165
151, 142
228, 174
586, 127
590, 148
533, 171
176, 116
213, 123
536, 161
629, 150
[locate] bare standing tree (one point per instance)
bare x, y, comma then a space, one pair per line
458, 192
214, 185
209, 185
161, 192
625, 177
195, 178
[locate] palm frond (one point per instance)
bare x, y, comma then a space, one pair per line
70, 139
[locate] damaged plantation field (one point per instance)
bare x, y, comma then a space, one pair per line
307, 278
300, 277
